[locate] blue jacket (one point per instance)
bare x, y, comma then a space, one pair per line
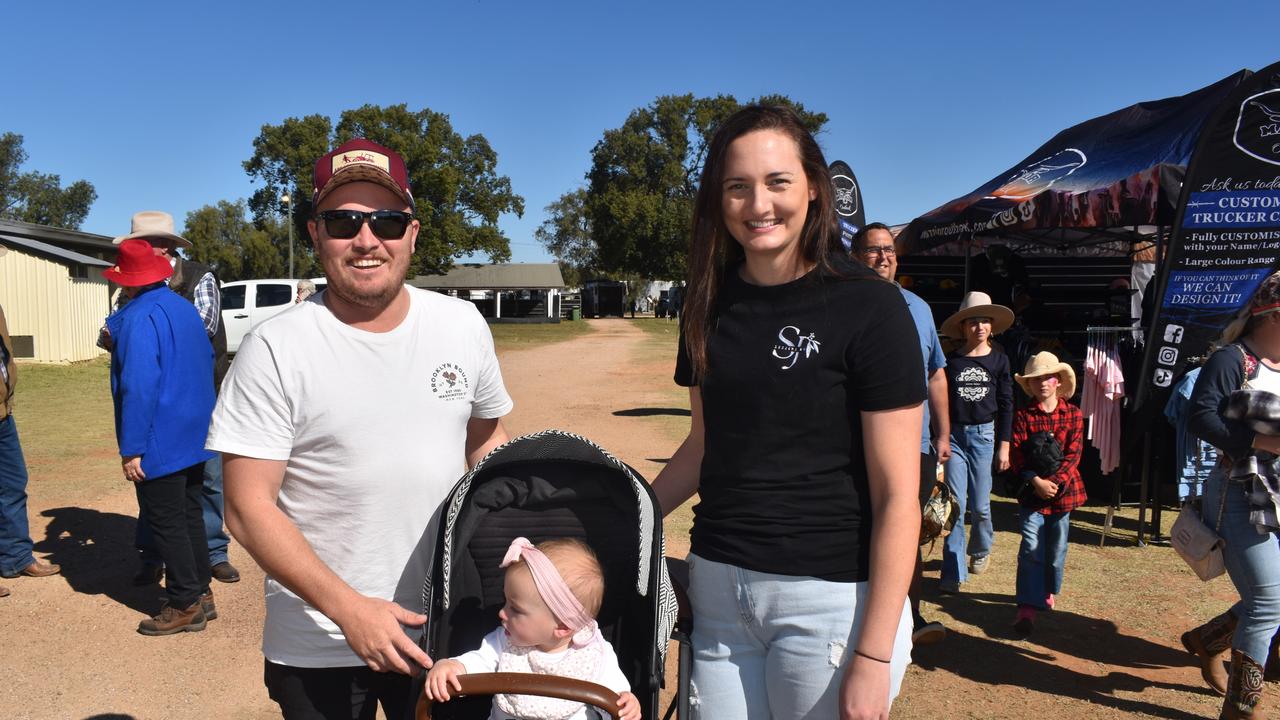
161, 381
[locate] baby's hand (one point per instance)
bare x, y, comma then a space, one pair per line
628, 706
443, 675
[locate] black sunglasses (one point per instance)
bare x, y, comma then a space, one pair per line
345, 224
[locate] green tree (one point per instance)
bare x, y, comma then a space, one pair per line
566, 234
458, 194
236, 248
644, 176
37, 197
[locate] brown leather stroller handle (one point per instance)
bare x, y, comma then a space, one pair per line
529, 684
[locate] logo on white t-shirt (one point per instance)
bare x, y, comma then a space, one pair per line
449, 382
792, 345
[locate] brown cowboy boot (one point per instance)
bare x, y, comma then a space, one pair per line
1244, 690
172, 620
1208, 643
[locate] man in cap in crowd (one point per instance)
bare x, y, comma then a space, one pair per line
197, 283
344, 423
874, 245
15, 535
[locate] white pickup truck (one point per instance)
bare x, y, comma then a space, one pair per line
246, 303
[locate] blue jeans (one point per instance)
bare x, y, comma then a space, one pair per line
1253, 562
1042, 556
211, 505
969, 477
15, 534
774, 647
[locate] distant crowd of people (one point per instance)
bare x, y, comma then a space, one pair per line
821, 401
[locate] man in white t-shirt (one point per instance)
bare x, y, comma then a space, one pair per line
343, 423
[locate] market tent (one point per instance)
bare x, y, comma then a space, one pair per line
1088, 189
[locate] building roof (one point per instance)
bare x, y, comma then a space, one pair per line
50, 250
502, 276
99, 246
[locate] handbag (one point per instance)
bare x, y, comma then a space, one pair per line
940, 513
1196, 543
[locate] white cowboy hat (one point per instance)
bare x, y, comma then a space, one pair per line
1046, 363
152, 224
978, 304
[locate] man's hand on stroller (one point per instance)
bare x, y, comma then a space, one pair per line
443, 677
372, 627
628, 706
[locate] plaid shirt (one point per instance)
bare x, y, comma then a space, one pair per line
1067, 425
208, 303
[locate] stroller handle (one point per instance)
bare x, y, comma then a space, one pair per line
529, 684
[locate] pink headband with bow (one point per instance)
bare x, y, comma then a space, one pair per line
555, 593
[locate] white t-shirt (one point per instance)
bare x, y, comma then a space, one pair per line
373, 426
1267, 379
485, 660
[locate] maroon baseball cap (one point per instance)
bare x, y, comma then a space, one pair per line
360, 160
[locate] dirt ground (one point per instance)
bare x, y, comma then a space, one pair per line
70, 650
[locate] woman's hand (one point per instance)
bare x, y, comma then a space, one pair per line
864, 692
1002, 456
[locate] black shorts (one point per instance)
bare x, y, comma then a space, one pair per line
341, 693
928, 475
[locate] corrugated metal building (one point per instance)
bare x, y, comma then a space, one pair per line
54, 299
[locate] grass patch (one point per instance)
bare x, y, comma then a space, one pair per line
520, 336
67, 428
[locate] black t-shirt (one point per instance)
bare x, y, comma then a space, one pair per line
981, 391
783, 487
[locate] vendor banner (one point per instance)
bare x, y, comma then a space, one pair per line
848, 202
1226, 238
1123, 169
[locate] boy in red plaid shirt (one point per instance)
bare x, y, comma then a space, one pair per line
1045, 506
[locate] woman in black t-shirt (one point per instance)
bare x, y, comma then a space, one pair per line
805, 384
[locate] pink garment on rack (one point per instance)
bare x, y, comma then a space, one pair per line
1100, 401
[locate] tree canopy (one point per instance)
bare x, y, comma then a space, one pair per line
37, 197
566, 234
224, 238
638, 203
457, 190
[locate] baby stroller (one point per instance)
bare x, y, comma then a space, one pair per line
547, 485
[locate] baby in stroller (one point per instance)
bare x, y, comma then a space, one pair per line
553, 593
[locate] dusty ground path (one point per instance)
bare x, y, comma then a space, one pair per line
69, 646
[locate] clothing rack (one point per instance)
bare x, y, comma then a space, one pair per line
1109, 335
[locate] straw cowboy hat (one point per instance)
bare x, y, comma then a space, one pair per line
978, 304
137, 264
1046, 363
153, 224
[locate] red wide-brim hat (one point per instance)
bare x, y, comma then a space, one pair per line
137, 264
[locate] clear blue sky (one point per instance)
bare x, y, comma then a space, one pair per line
157, 103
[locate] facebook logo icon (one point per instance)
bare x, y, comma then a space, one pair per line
1173, 333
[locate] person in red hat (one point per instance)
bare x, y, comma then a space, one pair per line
343, 424
160, 370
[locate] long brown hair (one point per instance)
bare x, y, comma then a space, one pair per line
712, 248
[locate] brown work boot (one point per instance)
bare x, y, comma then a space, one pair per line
1208, 643
207, 607
172, 620
38, 568
4, 591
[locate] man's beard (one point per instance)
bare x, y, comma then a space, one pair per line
368, 299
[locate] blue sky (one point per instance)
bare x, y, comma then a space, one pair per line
157, 103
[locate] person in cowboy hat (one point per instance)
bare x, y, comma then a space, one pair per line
981, 405
160, 370
199, 285
1044, 513
15, 535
